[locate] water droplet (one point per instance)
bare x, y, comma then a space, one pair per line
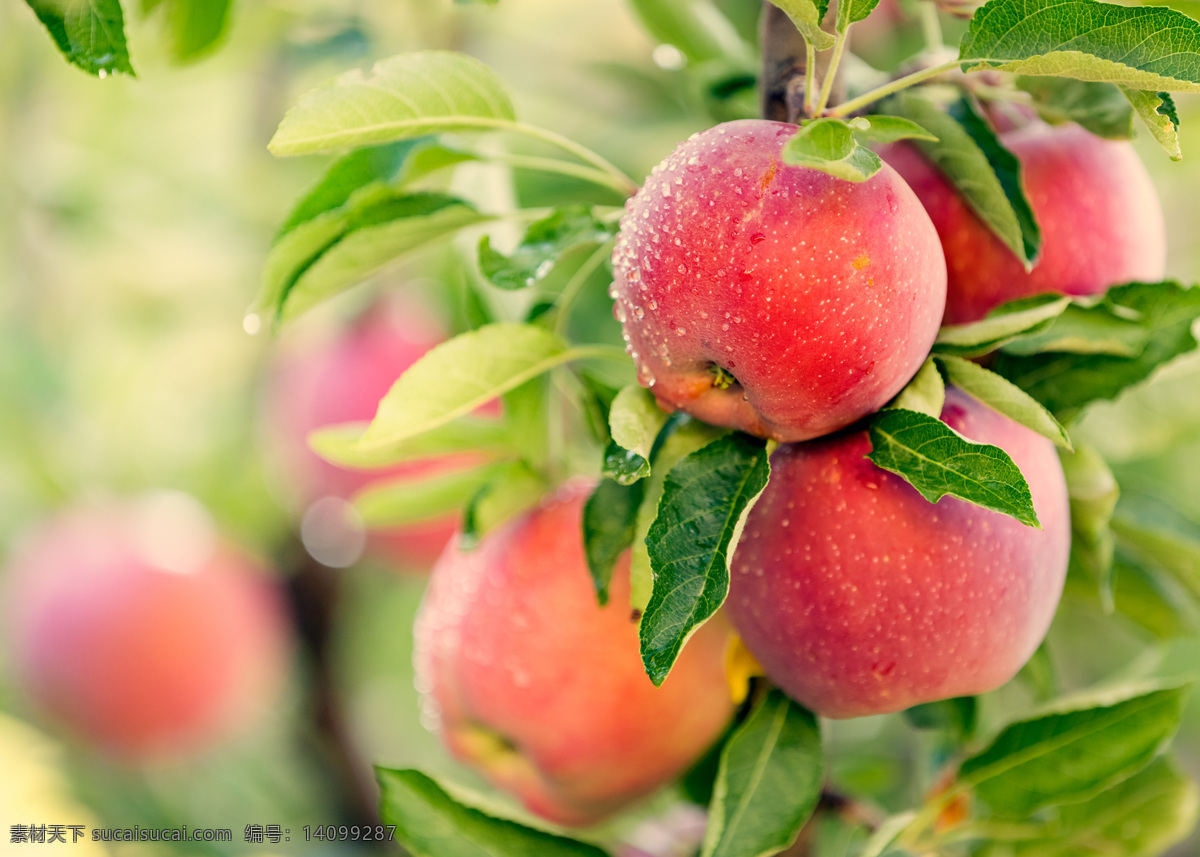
757, 238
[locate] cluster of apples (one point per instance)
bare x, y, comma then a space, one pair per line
780, 301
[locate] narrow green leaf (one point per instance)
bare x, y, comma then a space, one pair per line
609, 525
1002, 325
829, 145
768, 781
430, 823
1141, 817
90, 33
406, 500
634, 422
340, 444
1153, 48
705, 497
937, 461
1083, 329
958, 716
887, 832
888, 129
860, 9
679, 437
1101, 108
544, 241
1157, 111
925, 393
373, 240
986, 175
806, 15
1075, 750
1144, 594
407, 96
1065, 382
1158, 533
511, 489
1003, 397
456, 377
196, 26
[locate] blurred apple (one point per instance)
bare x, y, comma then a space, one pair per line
134, 628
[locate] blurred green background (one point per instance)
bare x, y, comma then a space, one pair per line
134, 217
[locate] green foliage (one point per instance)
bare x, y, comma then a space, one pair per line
1004, 397
1157, 110
544, 242
768, 782
1005, 324
609, 525
510, 489
407, 499
925, 393
195, 27
411, 95
937, 461
1075, 750
1102, 108
705, 499
986, 175
1093, 494
634, 421
958, 716
807, 15
1152, 48
90, 33
430, 823
829, 145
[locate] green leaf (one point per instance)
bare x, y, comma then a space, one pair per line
634, 421
1141, 817
925, 393
196, 26
340, 444
1093, 493
696, 27
806, 15
829, 145
609, 525
545, 240
888, 129
700, 516
90, 33
1157, 110
1075, 750
1145, 595
339, 248
1158, 533
959, 716
430, 823
456, 377
1085, 330
860, 9
885, 834
938, 461
407, 500
1003, 397
1065, 382
679, 437
407, 96
512, 489
1101, 108
1002, 325
768, 781
1151, 48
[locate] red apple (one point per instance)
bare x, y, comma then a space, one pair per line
1099, 214
771, 298
859, 597
341, 378
133, 628
527, 678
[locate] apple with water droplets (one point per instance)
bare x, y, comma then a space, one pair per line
526, 677
1100, 217
858, 596
771, 298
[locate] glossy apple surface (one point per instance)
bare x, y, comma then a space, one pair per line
1100, 217
815, 299
141, 642
528, 679
860, 597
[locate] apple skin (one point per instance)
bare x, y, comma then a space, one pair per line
526, 677
1100, 217
141, 661
313, 384
860, 597
821, 297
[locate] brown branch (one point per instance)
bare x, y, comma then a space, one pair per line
783, 67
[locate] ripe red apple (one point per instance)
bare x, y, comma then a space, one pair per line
314, 383
527, 678
860, 597
1099, 214
134, 629
771, 298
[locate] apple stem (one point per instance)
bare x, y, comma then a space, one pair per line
554, 165
810, 78
839, 47
901, 83
614, 176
